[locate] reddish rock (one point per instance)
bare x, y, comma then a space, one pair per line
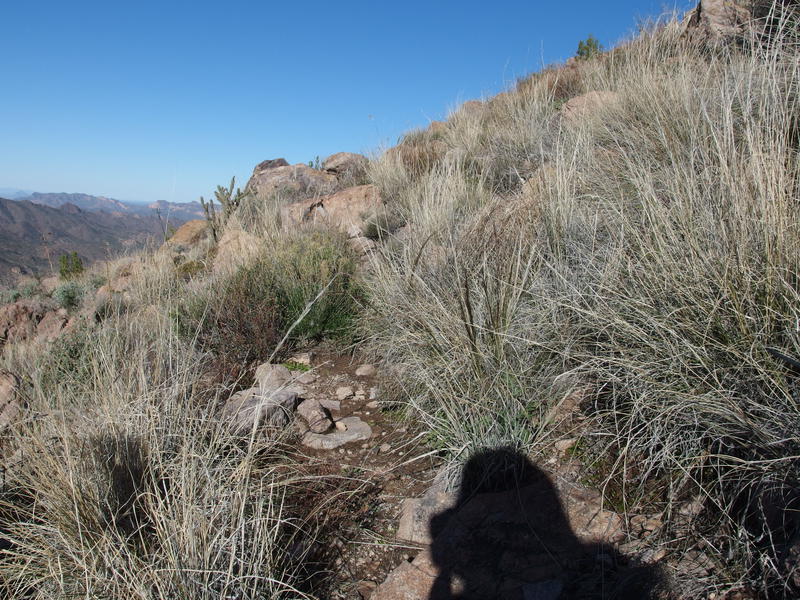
19, 320
295, 180
189, 234
51, 325
346, 163
344, 210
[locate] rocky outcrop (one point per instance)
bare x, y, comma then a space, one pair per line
719, 20
346, 210
274, 177
189, 235
31, 318
346, 164
235, 248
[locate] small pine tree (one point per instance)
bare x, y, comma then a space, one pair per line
70, 265
588, 48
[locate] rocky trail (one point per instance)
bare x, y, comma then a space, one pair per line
512, 530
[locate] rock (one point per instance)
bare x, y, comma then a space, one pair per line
306, 378
362, 245
349, 429
234, 249
372, 404
344, 392
304, 358
49, 284
366, 588
270, 164
316, 417
724, 20
406, 582
298, 180
270, 376
588, 104
563, 445
189, 235
366, 371
19, 321
51, 325
255, 409
527, 542
416, 514
373, 393
346, 164
10, 400
384, 448
345, 210
333, 405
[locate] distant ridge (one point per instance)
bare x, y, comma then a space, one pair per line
33, 236
174, 211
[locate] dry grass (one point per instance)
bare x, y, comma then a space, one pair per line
653, 257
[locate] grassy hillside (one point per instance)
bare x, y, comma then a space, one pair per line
614, 268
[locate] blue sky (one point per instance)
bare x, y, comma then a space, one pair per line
165, 100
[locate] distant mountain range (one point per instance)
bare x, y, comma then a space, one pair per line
37, 228
171, 211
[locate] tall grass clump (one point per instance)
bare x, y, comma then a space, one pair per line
304, 287
128, 485
648, 260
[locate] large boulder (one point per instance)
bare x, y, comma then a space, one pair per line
234, 249
189, 235
290, 180
346, 165
345, 210
20, 320
717, 20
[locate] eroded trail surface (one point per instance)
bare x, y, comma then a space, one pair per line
510, 530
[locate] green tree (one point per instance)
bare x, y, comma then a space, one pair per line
70, 265
588, 48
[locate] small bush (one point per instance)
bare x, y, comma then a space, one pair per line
9, 296
69, 294
70, 265
246, 318
588, 48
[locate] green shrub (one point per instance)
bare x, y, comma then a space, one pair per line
588, 48
70, 265
69, 294
9, 296
245, 319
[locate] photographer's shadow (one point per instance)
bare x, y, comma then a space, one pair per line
509, 537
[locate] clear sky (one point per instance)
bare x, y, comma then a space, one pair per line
164, 100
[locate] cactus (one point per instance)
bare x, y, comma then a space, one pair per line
228, 200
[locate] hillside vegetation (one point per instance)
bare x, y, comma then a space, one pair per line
606, 252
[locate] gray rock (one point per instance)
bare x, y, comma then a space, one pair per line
306, 378
316, 417
349, 429
366, 371
416, 514
272, 377
333, 405
344, 392
256, 409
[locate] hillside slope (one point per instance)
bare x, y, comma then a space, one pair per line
32, 236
